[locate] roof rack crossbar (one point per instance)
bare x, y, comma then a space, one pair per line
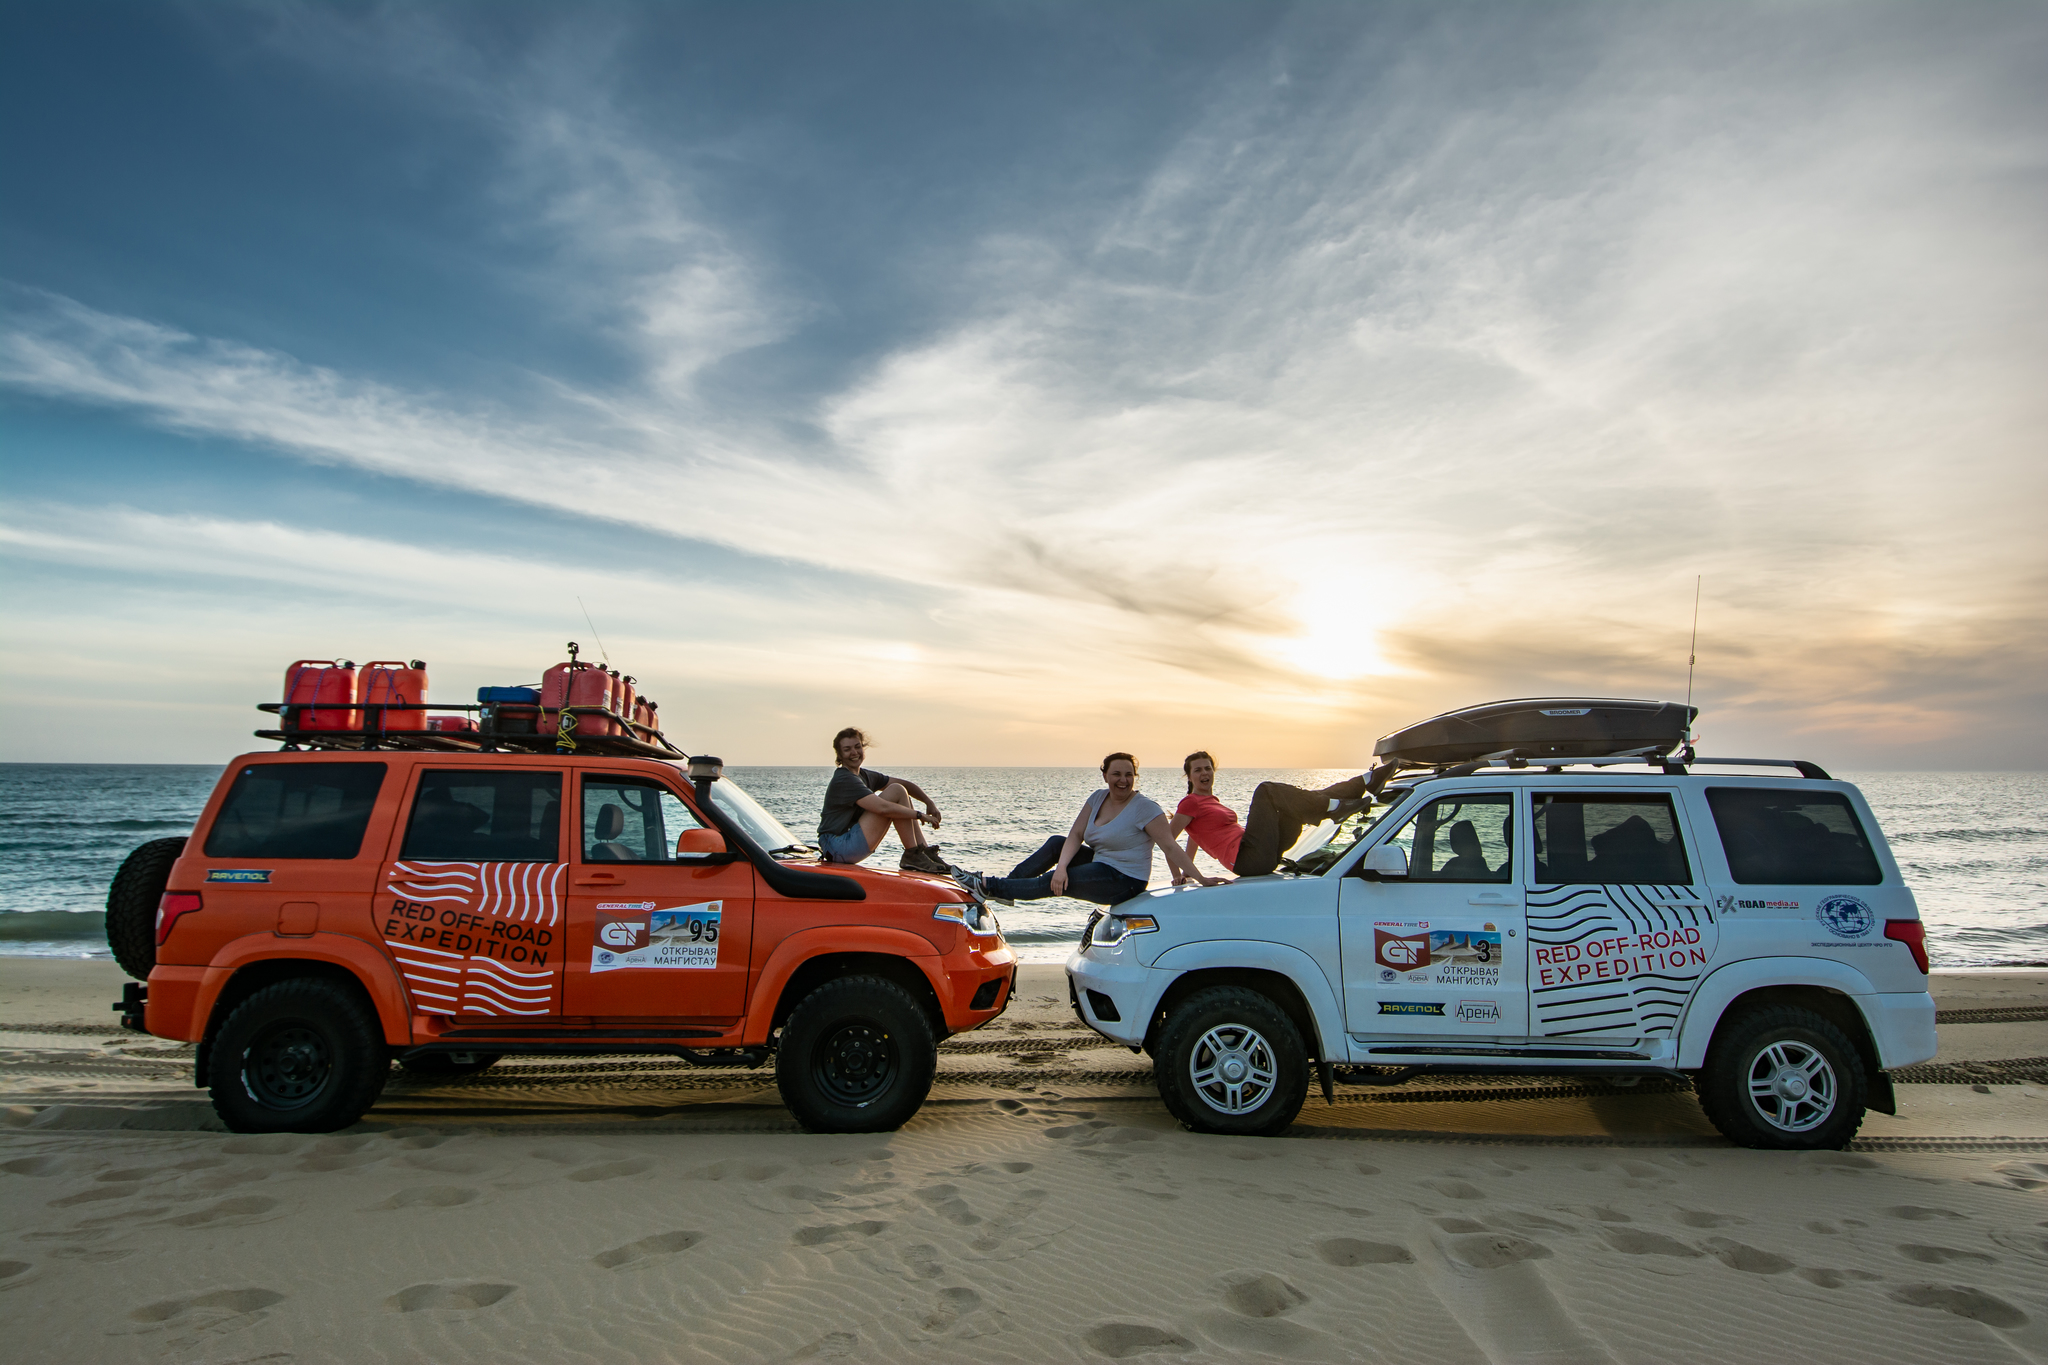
1649, 757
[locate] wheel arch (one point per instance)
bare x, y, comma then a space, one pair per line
1828, 988
804, 974
1287, 976
264, 961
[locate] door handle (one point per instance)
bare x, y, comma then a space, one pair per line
600, 879
1490, 898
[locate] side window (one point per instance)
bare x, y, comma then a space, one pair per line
1461, 839
625, 821
1792, 838
296, 810
1609, 838
469, 815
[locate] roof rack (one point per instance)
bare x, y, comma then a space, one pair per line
489, 736
1678, 762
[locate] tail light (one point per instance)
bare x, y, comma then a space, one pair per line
1913, 934
174, 904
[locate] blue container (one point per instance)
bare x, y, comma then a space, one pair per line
530, 695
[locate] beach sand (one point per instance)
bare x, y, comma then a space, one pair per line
1042, 1206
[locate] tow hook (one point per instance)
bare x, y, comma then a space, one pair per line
134, 995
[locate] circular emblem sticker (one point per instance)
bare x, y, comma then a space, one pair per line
1845, 916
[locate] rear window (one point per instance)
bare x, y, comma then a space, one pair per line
1792, 838
1609, 838
466, 816
277, 811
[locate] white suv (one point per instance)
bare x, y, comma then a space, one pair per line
1751, 932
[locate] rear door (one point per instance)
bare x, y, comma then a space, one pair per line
1620, 925
653, 935
1437, 955
472, 907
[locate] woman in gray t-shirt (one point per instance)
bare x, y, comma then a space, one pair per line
1105, 858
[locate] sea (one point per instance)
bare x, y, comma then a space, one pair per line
1973, 846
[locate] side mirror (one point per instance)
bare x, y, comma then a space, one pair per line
1384, 862
696, 843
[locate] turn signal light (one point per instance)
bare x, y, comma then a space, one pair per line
1913, 934
174, 904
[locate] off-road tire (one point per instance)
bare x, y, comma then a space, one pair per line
856, 1056
1740, 1059
1251, 1027
298, 1056
132, 903
440, 1066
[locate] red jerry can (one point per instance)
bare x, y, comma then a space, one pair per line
327, 687
575, 684
390, 681
624, 694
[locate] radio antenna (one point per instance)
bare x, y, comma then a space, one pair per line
608, 658
1692, 652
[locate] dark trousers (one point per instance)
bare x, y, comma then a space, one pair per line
1278, 815
1087, 880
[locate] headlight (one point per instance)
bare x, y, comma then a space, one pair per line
975, 919
1110, 930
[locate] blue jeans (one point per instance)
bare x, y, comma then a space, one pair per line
1087, 880
848, 847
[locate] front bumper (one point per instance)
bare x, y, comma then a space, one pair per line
1130, 991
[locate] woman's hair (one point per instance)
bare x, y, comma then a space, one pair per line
850, 732
1132, 759
1187, 765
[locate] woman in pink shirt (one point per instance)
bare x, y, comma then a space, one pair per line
1278, 814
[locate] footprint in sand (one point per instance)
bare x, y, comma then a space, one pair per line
837, 1232
218, 1307
448, 1297
1633, 1242
947, 1203
2027, 1241
2019, 1175
36, 1165
831, 1346
92, 1196
446, 1165
647, 1250
922, 1261
1961, 1300
1832, 1279
1930, 1255
1491, 1251
952, 1305
1455, 1189
1122, 1340
431, 1197
753, 1172
1258, 1302
228, 1179
1700, 1218
1353, 1251
610, 1170
1915, 1213
1460, 1225
1737, 1256
1534, 1222
1018, 1167
14, 1270
249, 1208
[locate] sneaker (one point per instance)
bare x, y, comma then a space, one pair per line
971, 883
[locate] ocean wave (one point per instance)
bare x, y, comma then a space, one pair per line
53, 926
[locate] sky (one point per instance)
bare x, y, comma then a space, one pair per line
1026, 381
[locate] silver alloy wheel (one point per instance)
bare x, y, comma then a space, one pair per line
1232, 1068
1792, 1086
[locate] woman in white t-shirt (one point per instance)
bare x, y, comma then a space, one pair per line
1105, 858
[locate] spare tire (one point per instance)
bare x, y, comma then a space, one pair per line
132, 902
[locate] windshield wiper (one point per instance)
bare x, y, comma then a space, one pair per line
790, 848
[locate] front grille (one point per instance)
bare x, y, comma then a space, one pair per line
1088, 934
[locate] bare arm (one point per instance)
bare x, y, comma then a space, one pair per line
917, 794
1178, 823
1183, 866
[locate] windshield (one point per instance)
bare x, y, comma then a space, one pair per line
744, 811
1317, 851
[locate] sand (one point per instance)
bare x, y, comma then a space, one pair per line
1041, 1207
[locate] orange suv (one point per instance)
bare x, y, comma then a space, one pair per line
447, 903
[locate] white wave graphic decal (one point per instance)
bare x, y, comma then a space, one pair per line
1615, 960
477, 938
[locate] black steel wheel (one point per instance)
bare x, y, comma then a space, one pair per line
856, 1056
1231, 1061
132, 901
1783, 1077
299, 1056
